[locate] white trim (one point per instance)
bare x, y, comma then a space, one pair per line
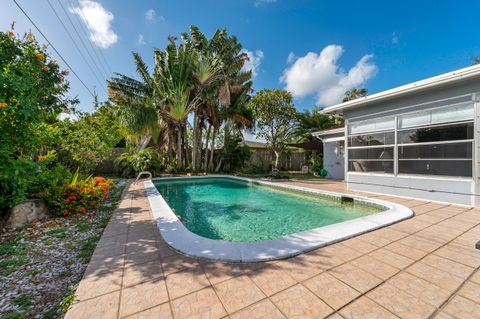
186, 242
328, 132
436, 81
333, 139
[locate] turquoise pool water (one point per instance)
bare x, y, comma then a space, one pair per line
234, 210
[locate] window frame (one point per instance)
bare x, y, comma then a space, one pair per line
396, 146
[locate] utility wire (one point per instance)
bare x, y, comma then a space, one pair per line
104, 74
76, 46
100, 63
53, 47
93, 35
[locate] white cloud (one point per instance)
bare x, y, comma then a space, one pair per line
151, 16
64, 116
321, 75
259, 2
395, 38
253, 62
98, 21
140, 39
291, 57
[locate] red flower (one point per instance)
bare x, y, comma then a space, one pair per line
67, 200
65, 213
105, 195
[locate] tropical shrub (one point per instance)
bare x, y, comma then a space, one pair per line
132, 163
235, 154
76, 197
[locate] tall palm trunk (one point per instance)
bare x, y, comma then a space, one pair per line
195, 141
205, 163
212, 148
185, 143
179, 149
200, 146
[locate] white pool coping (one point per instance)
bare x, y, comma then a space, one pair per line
183, 240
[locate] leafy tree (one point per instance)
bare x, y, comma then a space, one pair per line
87, 141
314, 120
32, 94
275, 117
354, 94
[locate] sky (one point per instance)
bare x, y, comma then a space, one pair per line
315, 49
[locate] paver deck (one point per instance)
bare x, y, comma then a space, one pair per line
424, 267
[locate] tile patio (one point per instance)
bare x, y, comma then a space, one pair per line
425, 267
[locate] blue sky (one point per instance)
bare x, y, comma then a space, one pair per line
315, 49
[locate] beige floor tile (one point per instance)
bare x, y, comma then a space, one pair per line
335, 316
462, 308
99, 284
344, 252
202, 304
107, 264
271, 280
420, 288
140, 257
459, 254
471, 291
443, 315
375, 239
141, 273
365, 308
217, 272
448, 265
355, 277
238, 293
299, 302
420, 243
410, 226
186, 281
143, 296
391, 258
406, 251
476, 277
300, 268
178, 262
322, 258
359, 245
105, 306
390, 234
331, 290
375, 267
158, 312
436, 276
264, 309
400, 303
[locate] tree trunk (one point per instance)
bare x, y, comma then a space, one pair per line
212, 148
195, 142
143, 143
277, 158
179, 149
200, 144
205, 165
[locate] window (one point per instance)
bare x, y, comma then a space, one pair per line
369, 148
433, 142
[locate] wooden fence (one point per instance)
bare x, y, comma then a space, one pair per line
292, 161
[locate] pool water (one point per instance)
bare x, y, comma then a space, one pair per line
235, 210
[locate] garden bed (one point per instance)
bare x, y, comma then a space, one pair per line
41, 263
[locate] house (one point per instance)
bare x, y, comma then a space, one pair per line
418, 140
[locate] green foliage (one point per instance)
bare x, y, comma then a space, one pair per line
235, 154
354, 94
88, 141
87, 248
131, 163
14, 315
32, 94
23, 301
316, 163
275, 117
314, 120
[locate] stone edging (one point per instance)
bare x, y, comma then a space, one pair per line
181, 239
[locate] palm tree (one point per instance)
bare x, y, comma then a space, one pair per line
354, 94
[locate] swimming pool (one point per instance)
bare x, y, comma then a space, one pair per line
239, 211
243, 220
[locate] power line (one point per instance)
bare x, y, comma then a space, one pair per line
53, 47
105, 72
76, 46
93, 35
81, 40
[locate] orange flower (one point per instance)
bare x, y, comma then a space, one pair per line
45, 68
30, 37
10, 34
3, 104
40, 56
41, 156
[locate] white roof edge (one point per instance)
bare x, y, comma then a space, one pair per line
438, 80
329, 131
